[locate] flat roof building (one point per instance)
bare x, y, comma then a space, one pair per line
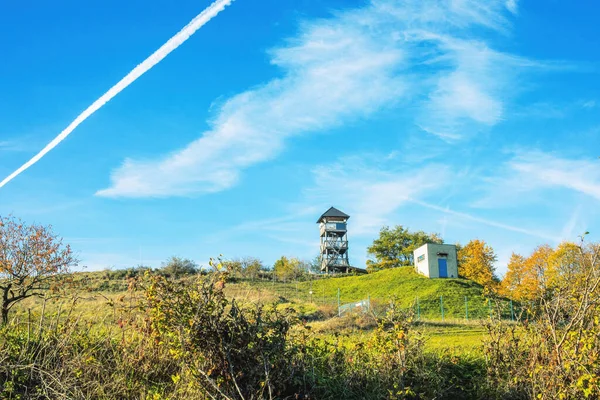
436, 260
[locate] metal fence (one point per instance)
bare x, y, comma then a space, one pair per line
363, 306
445, 307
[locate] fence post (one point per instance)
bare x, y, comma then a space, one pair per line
490, 307
369, 302
466, 308
442, 306
418, 310
512, 311
338, 299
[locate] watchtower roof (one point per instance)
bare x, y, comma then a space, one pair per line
332, 213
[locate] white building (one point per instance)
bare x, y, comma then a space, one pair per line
436, 260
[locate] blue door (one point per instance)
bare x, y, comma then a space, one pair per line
443, 267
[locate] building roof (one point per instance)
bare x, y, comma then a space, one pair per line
332, 212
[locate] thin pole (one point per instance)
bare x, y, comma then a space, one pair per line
442, 306
512, 311
369, 302
490, 307
338, 299
418, 309
466, 308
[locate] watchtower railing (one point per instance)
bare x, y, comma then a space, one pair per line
335, 227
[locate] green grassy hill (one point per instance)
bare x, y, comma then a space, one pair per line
408, 288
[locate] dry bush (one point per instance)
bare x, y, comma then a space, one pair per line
555, 352
347, 323
186, 339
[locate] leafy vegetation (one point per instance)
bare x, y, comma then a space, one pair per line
32, 260
287, 269
178, 267
394, 247
172, 333
476, 262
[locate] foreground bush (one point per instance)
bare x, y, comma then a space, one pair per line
555, 352
186, 340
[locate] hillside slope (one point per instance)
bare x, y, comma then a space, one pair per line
406, 286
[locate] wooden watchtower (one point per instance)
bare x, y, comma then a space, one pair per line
334, 241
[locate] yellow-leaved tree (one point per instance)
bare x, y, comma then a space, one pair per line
516, 275
476, 262
564, 264
527, 277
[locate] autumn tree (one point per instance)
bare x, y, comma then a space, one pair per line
476, 262
394, 247
527, 277
562, 335
564, 264
512, 283
32, 259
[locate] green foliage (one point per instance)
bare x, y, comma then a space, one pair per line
187, 339
232, 351
394, 247
252, 267
247, 267
388, 364
177, 267
68, 359
287, 269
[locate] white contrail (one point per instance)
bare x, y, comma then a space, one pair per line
173, 43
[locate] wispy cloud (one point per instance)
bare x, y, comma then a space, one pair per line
512, 6
12, 145
340, 69
550, 171
488, 222
467, 95
374, 193
533, 172
572, 226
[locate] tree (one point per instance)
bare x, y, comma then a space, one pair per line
32, 260
512, 283
476, 262
177, 267
315, 264
394, 247
564, 264
562, 335
251, 267
288, 268
526, 277
233, 266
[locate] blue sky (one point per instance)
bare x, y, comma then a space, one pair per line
471, 119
